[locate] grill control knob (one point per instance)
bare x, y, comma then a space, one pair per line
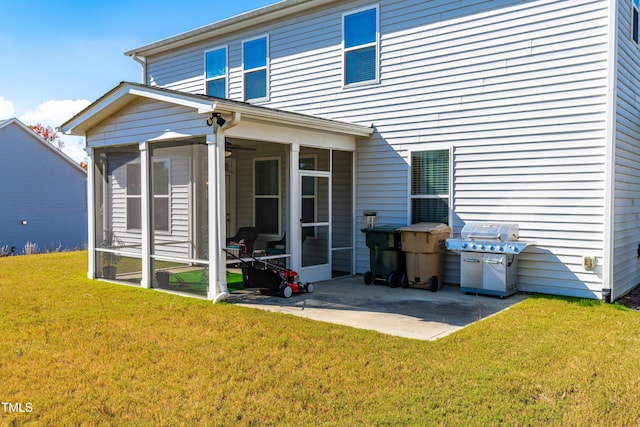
501, 248
464, 245
491, 248
481, 247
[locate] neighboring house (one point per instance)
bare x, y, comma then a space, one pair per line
508, 111
43, 193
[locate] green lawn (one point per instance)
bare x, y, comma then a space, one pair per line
82, 352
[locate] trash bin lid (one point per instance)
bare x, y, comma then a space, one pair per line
428, 227
384, 228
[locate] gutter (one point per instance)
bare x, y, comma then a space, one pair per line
143, 62
607, 294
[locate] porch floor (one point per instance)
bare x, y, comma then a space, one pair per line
410, 313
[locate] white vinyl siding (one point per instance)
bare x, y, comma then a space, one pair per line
517, 89
627, 160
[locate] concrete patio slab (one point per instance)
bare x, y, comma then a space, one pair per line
409, 313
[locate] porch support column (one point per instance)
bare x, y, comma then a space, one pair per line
217, 266
145, 211
295, 215
91, 214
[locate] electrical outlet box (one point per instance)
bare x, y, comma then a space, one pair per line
589, 262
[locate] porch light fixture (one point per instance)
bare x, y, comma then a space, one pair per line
220, 121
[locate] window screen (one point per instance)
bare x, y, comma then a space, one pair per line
430, 186
361, 46
216, 72
254, 59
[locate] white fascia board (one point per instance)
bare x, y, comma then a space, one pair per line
119, 97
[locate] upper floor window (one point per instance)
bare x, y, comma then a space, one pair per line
360, 33
430, 186
216, 72
634, 18
255, 57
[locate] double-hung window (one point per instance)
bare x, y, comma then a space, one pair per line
430, 186
160, 196
255, 59
360, 44
216, 72
635, 7
267, 195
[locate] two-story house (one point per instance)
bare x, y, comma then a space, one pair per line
299, 117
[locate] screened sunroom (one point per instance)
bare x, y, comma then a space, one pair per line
174, 175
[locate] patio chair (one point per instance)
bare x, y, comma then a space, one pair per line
247, 236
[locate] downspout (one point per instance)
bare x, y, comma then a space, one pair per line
220, 203
142, 61
610, 156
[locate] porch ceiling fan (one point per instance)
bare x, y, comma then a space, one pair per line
229, 147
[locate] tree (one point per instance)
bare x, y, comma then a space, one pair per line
49, 135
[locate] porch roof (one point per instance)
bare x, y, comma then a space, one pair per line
127, 92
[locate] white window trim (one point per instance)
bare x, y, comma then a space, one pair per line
314, 196
635, 8
448, 197
278, 196
345, 50
265, 67
226, 70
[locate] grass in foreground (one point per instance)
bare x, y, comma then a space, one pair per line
84, 352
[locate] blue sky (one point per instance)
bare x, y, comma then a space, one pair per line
56, 56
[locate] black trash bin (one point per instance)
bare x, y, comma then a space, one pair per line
386, 259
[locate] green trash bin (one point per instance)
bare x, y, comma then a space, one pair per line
386, 259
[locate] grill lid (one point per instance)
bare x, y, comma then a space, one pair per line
503, 232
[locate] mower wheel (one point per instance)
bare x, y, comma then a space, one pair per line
287, 291
368, 278
310, 288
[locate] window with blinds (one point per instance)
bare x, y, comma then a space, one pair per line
430, 186
360, 32
216, 72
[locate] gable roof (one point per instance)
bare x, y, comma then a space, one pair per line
127, 92
41, 140
240, 22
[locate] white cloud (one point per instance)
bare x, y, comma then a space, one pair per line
6, 109
54, 113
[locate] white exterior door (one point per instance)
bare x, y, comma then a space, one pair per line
315, 223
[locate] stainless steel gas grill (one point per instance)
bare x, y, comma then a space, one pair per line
488, 257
